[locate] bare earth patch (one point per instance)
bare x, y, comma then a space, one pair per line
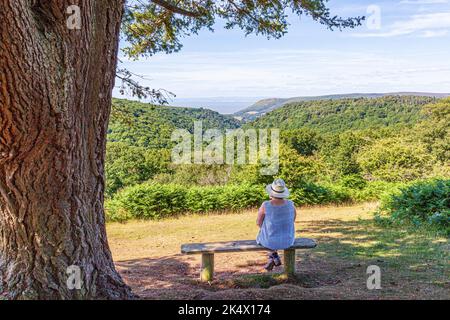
413, 266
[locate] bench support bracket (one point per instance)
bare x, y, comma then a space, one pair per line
289, 262
207, 272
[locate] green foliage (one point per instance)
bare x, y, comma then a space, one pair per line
192, 174
320, 168
423, 203
147, 201
434, 132
353, 181
128, 165
304, 141
248, 174
205, 199
311, 194
295, 168
151, 126
332, 116
155, 201
395, 159
337, 193
340, 152
243, 196
376, 190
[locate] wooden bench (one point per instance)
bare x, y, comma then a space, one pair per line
207, 250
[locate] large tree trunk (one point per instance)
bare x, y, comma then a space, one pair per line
55, 97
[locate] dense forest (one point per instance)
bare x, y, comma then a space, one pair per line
331, 151
262, 107
345, 114
151, 126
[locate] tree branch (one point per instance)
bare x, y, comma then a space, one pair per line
243, 10
173, 8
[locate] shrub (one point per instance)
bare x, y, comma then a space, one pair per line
353, 181
129, 165
115, 212
204, 199
310, 193
295, 169
423, 203
376, 190
339, 194
147, 201
204, 175
305, 141
243, 196
394, 159
340, 152
155, 201
230, 197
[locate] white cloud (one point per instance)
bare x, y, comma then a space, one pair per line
434, 34
416, 24
288, 73
424, 1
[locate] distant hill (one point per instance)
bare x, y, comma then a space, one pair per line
337, 115
151, 126
264, 106
223, 105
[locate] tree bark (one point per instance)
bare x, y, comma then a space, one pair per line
55, 98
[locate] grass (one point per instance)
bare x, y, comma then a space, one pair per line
413, 265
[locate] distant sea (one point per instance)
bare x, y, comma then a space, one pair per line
224, 105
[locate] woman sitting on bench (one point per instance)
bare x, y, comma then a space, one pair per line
276, 220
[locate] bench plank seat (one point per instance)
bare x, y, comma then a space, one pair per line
239, 246
207, 250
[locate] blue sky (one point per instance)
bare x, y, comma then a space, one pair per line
407, 49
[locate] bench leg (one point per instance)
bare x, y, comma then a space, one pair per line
207, 272
289, 262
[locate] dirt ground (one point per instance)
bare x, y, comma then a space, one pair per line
413, 266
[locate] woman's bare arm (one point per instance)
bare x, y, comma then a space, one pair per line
261, 215
295, 212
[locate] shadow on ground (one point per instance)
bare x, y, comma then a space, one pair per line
413, 266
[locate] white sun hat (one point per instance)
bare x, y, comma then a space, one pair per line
278, 189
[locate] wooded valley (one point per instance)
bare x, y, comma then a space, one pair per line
332, 151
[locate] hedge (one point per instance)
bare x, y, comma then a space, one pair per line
156, 201
425, 203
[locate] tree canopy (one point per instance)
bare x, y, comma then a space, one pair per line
344, 114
